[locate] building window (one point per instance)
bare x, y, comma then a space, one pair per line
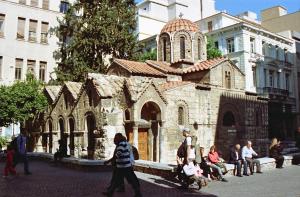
227, 79
32, 30
44, 32
21, 28
217, 45
278, 79
265, 77
22, 2
263, 47
252, 45
182, 47
64, 6
254, 76
1, 60
42, 71
287, 81
199, 48
228, 119
2, 17
165, 49
31, 67
180, 116
45, 4
277, 52
285, 55
34, 3
271, 79
230, 45
209, 26
18, 69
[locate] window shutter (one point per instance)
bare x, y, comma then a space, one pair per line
34, 3
32, 25
21, 27
45, 4
45, 27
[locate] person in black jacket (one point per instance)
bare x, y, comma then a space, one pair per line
236, 158
275, 152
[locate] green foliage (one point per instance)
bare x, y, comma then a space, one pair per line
89, 32
148, 55
21, 101
212, 51
3, 142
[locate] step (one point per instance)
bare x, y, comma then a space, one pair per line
290, 150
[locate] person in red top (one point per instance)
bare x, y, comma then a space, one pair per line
216, 163
9, 168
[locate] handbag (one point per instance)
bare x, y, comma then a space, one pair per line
189, 170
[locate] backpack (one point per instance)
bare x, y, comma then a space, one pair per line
181, 151
135, 153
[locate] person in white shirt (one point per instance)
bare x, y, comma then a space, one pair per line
247, 156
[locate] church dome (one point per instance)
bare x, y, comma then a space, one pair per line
179, 24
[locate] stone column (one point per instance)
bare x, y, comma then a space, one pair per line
150, 144
39, 146
135, 136
162, 147
68, 144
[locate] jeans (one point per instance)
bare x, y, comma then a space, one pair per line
128, 173
238, 165
114, 179
218, 169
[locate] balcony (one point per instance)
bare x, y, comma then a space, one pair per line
275, 93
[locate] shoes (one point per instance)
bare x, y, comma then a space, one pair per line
251, 173
28, 173
225, 172
246, 174
239, 175
224, 180
279, 167
259, 172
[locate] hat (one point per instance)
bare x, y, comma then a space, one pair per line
186, 130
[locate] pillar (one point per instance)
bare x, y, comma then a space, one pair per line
135, 136
162, 147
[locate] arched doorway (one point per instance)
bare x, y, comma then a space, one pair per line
63, 136
148, 137
71, 130
50, 143
91, 127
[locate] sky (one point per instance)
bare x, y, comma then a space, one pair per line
235, 7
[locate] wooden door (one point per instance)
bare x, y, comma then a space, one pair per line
142, 143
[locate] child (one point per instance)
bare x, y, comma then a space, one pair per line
9, 162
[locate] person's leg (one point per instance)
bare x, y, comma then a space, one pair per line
238, 168
26, 168
119, 175
279, 162
218, 169
6, 170
245, 165
250, 163
257, 163
133, 181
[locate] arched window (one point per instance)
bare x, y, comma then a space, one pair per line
127, 114
90, 97
66, 101
180, 116
164, 49
228, 119
182, 47
199, 48
227, 79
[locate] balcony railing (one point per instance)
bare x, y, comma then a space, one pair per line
275, 91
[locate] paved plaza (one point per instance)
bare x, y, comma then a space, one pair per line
48, 180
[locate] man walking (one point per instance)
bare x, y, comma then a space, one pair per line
124, 167
21, 154
247, 156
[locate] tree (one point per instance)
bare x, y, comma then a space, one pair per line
21, 101
212, 51
148, 55
89, 32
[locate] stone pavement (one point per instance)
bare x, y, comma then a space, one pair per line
55, 181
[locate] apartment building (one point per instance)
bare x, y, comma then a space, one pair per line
268, 61
25, 43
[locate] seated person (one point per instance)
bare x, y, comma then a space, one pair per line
247, 156
275, 152
236, 158
217, 163
61, 152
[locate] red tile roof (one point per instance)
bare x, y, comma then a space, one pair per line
204, 65
179, 24
139, 68
164, 67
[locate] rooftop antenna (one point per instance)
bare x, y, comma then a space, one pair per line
180, 15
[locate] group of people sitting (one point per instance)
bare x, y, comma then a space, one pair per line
194, 166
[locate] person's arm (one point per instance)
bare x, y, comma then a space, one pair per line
243, 153
188, 147
253, 152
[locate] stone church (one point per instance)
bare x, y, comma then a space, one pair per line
150, 102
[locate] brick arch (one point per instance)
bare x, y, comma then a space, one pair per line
184, 105
188, 45
203, 53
